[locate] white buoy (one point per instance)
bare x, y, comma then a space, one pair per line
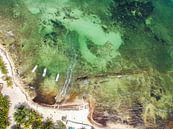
44, 72
57, 77
33, 70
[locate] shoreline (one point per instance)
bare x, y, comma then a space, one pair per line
80, 115
17, 95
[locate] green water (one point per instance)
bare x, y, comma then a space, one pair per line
107, 37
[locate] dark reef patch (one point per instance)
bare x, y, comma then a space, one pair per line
131, 13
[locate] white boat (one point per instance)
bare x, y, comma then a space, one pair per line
33, 70
44, 72
57, 77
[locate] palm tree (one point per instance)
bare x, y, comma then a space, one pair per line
4, 108
26, 117
60, 125
16, 126
37, 125
48, 124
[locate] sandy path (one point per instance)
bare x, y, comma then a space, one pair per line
17, 96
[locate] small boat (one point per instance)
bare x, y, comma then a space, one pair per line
44, 72
33, 70
57, 77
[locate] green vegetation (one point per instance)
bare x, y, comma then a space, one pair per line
4, 107
3, 68
60, 125
27, 118
88, 29
9, 81
17, 126
56, 41
122, 95
122, 50
4, 71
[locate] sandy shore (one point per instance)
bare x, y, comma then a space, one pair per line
18, 96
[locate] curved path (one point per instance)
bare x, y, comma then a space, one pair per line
17, 96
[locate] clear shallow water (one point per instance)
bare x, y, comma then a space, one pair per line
129, 40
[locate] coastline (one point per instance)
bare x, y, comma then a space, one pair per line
17, 96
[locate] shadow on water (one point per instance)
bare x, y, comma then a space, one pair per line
41, 97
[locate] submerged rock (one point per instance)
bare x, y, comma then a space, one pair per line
132, 12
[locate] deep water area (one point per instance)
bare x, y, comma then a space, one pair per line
117, 54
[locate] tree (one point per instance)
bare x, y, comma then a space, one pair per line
37, 125
30, 119
26, 117
4, 108
48, 124
60, 125
17, 126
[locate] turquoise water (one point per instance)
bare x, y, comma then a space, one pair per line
128, 38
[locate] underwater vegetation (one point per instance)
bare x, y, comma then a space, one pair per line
117, 53
132, 12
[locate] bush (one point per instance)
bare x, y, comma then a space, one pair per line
3, 67
4, 108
